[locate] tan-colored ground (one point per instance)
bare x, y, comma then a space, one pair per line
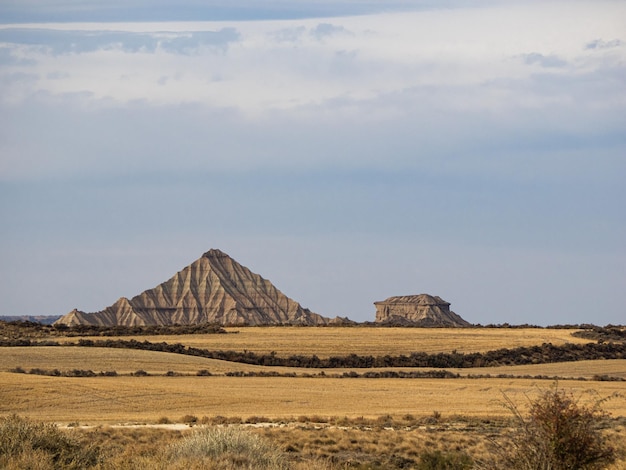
355, 411
126, 361
146, 399
327, 341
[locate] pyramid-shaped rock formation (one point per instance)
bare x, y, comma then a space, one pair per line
213, 289
418, 310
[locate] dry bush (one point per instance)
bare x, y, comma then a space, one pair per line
437, 460
559, 433
189, 419
28, 444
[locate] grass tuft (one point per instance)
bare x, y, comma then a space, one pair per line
230, 445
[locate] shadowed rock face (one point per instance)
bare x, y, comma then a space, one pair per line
419, 310
213, 289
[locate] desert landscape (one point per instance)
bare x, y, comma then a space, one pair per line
332, 416
312, 235
218, 354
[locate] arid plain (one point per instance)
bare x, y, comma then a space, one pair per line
152, 389
172, 386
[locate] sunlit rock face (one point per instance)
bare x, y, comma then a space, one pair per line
419, 310
213, 289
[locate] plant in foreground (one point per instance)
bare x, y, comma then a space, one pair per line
437, 460
28, 444
559, 433
232, 446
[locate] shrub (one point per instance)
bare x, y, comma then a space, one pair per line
189, 419
28, 444
559, 433
227, 445
438, 460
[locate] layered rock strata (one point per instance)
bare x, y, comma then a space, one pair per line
419, 310
213, 289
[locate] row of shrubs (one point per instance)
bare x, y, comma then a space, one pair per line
385, 374
603, 334
28, 329
546, 353
67, 373
20, 328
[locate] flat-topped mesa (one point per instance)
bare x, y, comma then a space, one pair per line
418, 310
213, 289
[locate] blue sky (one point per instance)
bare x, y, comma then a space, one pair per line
347, 151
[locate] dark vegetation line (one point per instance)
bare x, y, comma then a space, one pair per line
387, 374
544, 354
28, 329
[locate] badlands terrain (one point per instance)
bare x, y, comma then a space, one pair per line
358, 404
218, 349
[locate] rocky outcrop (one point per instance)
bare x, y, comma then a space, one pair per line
418, 310
213, 289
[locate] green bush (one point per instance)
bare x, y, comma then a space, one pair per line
28, 444
228, 447
559, 433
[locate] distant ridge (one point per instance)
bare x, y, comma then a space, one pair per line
213, 289
43, 319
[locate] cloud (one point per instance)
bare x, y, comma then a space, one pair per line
550, 61
7, 57
192, 42
408, 146
288, 34
83, 42
324, 30
31, 11
601, 44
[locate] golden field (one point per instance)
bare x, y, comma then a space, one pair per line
127, 361
321, 421
341, 341
146, 399
99, 400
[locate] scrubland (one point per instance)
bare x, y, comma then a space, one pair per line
316, 418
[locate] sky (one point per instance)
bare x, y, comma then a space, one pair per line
348, 151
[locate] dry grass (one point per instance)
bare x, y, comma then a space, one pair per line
123, 361
450, 415
127, 361
310, 446
148, 399
334, 341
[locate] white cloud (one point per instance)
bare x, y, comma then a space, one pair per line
275, 65
448, 131
551, 61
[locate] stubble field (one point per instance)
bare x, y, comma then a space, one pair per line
329, 341
286, 407
173, 388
